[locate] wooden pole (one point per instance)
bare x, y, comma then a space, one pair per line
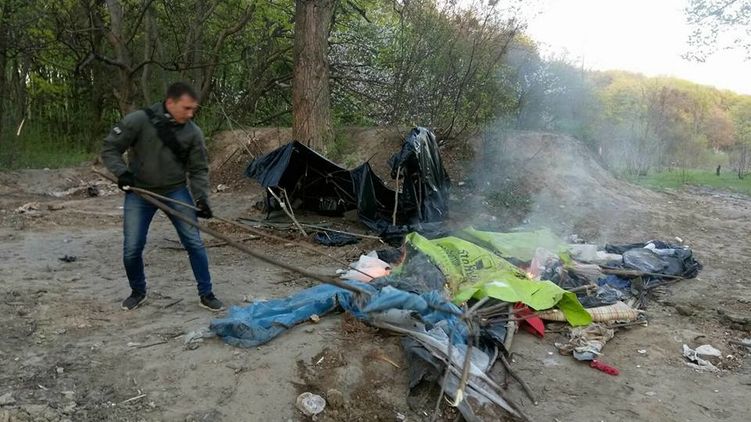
396, 196
289, 213
243, 248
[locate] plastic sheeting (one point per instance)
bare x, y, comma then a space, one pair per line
317, 184
658, 257
475, 272
519, 246
426, 182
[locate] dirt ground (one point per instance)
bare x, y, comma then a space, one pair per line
68, 352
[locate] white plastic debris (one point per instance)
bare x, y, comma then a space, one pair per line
310, 404
589, 254
583, 252
370, 265
542, 261
707, 350
193, 338
696, 361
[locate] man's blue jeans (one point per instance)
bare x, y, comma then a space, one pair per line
137, 218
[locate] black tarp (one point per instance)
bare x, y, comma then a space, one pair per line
426, 183
307, 176
317, 184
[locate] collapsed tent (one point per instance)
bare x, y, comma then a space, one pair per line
314, 183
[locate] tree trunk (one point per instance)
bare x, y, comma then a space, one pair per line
4, 89
124, 90
311, 102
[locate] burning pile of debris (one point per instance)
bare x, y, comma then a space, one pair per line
458, 299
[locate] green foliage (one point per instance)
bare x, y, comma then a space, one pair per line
339, 147
39, 149
69, 71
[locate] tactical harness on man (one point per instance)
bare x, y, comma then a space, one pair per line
167, 136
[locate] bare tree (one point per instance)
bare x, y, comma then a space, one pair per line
718, 23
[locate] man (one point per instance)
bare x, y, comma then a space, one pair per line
166, 155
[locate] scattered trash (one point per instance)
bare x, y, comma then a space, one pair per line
221, 187
366, 268
194, 338
310, 404
604, 295
697, 360
28, 208
706, 351
334, 239
618, 311
315, 318
590, 254
658, 257
603, 367
586, 343
68, 258
506, 280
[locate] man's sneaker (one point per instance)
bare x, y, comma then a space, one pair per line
133, 301
211, 303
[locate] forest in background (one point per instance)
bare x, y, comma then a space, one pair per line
69, 69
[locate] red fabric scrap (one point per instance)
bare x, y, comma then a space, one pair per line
530, 323
604, 367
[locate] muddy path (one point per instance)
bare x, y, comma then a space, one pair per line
69, 353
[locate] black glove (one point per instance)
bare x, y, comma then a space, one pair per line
203, 209
126, 179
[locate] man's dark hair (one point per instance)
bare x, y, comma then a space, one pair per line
178, 89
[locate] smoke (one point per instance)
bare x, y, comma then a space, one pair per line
526, 180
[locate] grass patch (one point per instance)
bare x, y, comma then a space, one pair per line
727, 180
26, 155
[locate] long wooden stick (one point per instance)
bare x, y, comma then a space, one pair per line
396, 196
516, 376
302, 245
311, 226
244, 226
243, 248
364, 236
289, 213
